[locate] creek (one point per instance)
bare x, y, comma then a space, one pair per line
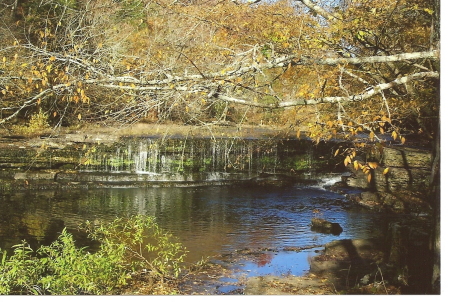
209, 194
208, 220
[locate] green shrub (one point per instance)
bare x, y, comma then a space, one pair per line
37, 124
145, 244
64, 269
69, 270
19, 273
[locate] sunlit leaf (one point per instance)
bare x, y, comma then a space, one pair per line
385, 171
372, 165
347, 160
369, 177
356, 165
336, 153
394, 135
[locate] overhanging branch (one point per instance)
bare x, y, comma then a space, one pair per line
373, 59
353, 98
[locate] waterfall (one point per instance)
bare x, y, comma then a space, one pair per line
204, 159
250, 156
327, 181
140, 159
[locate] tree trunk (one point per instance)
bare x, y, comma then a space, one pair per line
436, 236
435, 171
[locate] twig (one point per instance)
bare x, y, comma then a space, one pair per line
382, 280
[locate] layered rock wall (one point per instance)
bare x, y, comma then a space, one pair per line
403, 187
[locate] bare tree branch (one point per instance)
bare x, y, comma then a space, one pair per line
434, 55
352, 98
319, 10
277, 62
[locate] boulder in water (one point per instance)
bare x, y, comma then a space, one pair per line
324, 226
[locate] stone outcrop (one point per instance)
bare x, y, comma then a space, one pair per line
402, 189
408, 169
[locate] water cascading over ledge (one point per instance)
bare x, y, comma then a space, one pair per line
199, 159
141, 161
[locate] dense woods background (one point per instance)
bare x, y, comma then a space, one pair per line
363, 66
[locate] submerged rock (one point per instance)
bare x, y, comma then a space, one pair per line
272, 179
324, 226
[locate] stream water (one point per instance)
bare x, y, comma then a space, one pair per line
208, 220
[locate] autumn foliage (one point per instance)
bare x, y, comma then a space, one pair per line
337, 67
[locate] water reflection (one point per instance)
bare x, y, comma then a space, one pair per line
207, 220
281, 263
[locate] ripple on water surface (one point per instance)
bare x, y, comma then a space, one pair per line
209, 221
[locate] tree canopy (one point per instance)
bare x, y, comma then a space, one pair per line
336, 66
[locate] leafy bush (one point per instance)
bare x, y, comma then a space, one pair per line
64, 269
146, 246
38, 123
19, 273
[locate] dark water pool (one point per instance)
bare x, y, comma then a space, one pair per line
207, 220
